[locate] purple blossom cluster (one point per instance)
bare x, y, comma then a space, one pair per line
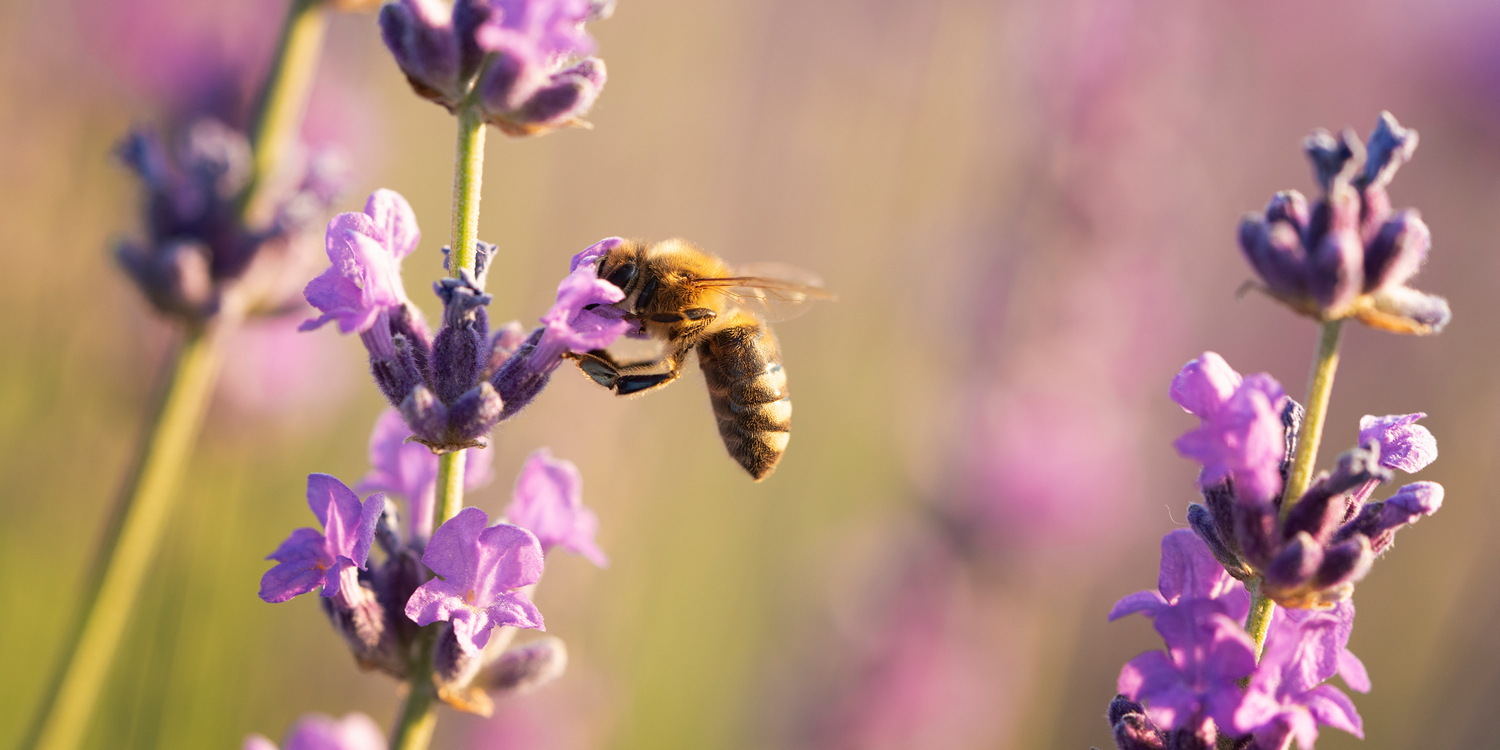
453, 388
1313, 554
197, 244
1349, 255
523, 63
1190, 694
447, 391
1254, 600
471, 574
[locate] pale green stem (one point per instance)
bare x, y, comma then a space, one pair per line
1319, 388
468, 174
130, 544
418, 718
133, 532
278, 115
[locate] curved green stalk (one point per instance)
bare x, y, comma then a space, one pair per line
134, 529
130, 544
418, 718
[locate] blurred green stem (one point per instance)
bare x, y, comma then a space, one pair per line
1319, 388
133, 531
131, 539
278, 113
418, 718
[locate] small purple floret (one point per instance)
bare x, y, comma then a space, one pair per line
321, 732
366, 251
480, 568
1404, 444
1188, 572
1196, 679
1286, 696
548, 502
1241, 436
308, 559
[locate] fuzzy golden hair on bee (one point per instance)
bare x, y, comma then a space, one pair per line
690, 300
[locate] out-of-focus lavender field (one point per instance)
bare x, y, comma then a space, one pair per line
1028, 211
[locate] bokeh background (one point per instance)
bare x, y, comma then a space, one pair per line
1028, 211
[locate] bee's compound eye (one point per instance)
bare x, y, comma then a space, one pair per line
622, 275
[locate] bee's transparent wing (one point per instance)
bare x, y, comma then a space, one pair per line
771, 291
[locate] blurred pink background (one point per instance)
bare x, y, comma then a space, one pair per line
1027, 210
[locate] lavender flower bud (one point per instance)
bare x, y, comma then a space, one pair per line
1413, 311
523, 375
1295, 564
420, 35
176, 279
1202, 522
1345, 564
362, 621
454, 668
1133, 729
474, 414
1274, 249
1397, 251
1255, 532
397, 374
1390, 146
1336, 265
1334, 159
1317, 513
456, 354
394, 582
1289, 206
524, 668
1380, 521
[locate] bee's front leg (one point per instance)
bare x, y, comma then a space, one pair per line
627, 379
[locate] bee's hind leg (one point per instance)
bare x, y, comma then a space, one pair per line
627, 379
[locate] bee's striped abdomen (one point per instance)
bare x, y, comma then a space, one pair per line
747, 388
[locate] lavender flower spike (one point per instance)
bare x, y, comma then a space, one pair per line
410, 469
480, 570
1241, 435
307, 559
321, 732
366, 251
548, 502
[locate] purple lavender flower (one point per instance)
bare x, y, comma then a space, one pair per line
1330, 538
366, 249
1241, 436
1349, 255
580, 320
548, 502
1286, 696
480, 570
197, 245
1197, 608
410, 469
321, 732
1404, 444
532, 79
1196, 679
1189, 572
308, 559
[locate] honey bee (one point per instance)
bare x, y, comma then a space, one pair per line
689, 299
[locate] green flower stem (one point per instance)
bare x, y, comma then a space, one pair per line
468, 174
413, 730
134, 530
278, 113
1319, 388
132, 538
